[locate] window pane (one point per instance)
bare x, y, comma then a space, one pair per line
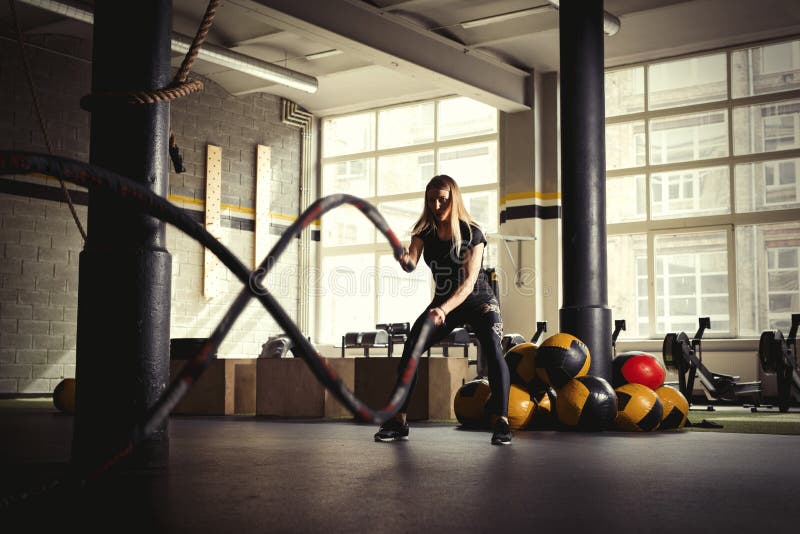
625, 145
692, 192
462, 117
482, 206
684, 262
401, 215
689, 137
687, 81
625, 199
768, 276
405, 126
766, 127
472, 164
768, 185
404, 173
765, 69
354, 177
627, 282
346, 226
624, 90
402, 296
348, 135
347, 289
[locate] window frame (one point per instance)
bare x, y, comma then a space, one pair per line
651, 226
379, 248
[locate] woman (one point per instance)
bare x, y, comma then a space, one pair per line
452, 245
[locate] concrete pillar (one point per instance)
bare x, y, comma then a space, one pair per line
584, 312
125, 270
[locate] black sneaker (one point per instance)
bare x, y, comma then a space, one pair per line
392, 430
501, 433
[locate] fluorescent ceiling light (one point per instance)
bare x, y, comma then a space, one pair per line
326, 53
208, 52
503, 17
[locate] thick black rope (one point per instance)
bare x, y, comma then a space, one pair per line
99, 179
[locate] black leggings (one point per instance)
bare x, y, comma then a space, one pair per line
483, 316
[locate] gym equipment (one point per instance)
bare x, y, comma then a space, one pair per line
560, 358
541, 327
471, 401
676, 408
459, 337
521, 361
277, 347
637, 368
543, 415
619, 325
639, 408
778, 355
398, 333
64, 396
587, 403
365, 341
510, 341
686, 357
520, 407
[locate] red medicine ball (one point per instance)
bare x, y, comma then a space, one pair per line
636, 367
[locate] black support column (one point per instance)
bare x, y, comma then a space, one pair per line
585, 313
125, 270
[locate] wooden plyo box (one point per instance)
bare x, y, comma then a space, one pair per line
438, 380
227, 387
287, 388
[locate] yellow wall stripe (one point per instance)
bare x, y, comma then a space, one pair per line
249, 211
522, 195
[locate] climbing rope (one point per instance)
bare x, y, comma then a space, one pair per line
39, 116
180, 85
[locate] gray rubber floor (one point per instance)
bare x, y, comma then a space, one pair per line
253, 475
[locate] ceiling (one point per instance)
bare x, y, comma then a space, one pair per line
392, 51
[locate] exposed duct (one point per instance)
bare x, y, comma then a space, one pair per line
210, 53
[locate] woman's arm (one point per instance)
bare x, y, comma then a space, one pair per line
472, 267
413, 253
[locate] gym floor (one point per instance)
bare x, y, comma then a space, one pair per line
247, 474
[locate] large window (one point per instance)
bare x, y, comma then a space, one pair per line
387, 156
703, 191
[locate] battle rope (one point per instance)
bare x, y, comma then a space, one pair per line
137, 196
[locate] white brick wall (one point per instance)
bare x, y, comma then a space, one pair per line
39, 282
40, 244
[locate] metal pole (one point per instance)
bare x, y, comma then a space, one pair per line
585, 313
125, 270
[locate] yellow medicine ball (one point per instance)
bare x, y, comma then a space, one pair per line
520, 407
561, 358
638, 408
64, 396
470, 403
676, 408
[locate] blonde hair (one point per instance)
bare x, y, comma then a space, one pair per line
458, 212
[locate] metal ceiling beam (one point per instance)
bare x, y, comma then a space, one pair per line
401, 46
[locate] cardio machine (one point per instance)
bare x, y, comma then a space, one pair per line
779, 355
686, 357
